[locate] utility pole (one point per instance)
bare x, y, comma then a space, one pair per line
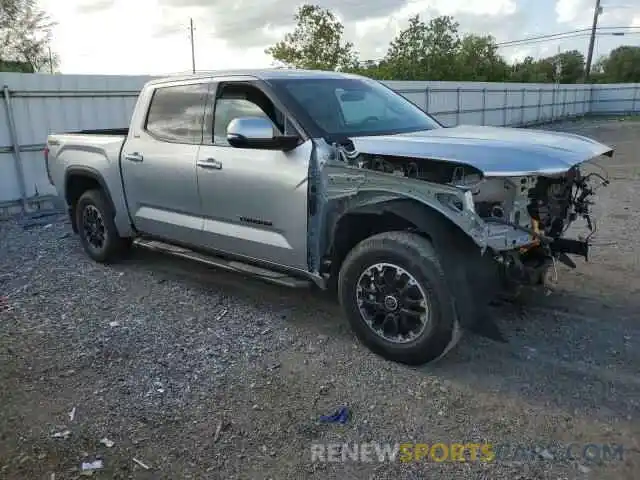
193, 50
558, 67
592, 41
50, 61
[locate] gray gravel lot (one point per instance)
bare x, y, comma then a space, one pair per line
202, 374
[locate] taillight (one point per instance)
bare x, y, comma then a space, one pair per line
46, 162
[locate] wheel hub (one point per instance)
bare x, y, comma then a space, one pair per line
392, 303
93, 226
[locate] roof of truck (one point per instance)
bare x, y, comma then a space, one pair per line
264, 74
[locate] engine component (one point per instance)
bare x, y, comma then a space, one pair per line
550, 200
435, 171
497, 211
557, 202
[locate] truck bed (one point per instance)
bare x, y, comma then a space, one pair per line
89, 150
105, 131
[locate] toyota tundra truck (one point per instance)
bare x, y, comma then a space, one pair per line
330, 180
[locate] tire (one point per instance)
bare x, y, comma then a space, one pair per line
415, 256
93, 204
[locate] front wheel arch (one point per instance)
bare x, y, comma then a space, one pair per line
471, 275
361, 222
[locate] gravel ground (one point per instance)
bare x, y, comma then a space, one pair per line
201, 374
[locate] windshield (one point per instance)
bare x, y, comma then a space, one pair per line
354, 107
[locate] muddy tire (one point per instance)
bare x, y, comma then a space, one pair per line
97, 230
393, 291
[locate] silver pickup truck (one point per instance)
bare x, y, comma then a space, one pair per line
308, 178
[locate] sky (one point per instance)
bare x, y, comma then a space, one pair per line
131, 37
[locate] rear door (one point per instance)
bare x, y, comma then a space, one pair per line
159, 162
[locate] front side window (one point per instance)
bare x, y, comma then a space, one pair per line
228, 109
176, 113
236, 100
352, 106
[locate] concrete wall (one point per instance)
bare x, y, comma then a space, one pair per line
42, 104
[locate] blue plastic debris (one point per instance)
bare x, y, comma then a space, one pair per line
340, 416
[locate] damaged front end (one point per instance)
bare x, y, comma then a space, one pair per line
542, 208
518, 217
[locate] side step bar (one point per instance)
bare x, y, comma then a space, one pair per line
228, 265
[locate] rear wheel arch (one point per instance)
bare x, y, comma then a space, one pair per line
80, 179
99, 236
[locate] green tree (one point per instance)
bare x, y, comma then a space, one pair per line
622, 65
25, 36
571, 66
478, 60
533, 71
379, 70
316, 43
425, 51
18, 67
525, 71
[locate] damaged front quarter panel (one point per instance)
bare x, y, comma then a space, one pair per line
351, 184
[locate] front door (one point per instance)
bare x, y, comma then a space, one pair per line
254, 202
159, 164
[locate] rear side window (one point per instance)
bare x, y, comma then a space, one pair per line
176, 114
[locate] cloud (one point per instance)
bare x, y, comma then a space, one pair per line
502, 19
91, 6
246, 23
579, 14
575, 12
249, 23
168, 29
89, 34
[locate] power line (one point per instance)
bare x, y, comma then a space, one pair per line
552, 36
577, 35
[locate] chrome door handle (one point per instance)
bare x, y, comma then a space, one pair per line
210, 163
134, 157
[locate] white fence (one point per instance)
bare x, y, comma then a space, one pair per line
36, 105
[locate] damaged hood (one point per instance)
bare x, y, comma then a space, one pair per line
495, 151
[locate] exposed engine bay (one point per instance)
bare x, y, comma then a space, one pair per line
542, 206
